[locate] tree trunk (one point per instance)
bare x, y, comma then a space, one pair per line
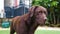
57, 19
54, 18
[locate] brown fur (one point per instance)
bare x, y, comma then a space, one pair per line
27, 23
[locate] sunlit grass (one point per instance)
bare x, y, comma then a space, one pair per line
36, 32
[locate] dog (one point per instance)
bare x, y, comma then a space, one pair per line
27, 23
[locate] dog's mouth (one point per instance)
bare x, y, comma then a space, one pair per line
41, 22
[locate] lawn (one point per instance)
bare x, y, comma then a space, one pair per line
47, 32
36, 32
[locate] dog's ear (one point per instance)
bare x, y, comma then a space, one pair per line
31, 11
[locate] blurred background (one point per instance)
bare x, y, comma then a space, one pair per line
12, 8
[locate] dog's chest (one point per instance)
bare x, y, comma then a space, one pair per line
21, 28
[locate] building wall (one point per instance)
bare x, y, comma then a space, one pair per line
11, 3
7, 2
1, 8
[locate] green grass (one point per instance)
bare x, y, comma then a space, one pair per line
47, 32
36, 32
4, 32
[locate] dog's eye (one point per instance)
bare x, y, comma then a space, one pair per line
40, 11
45, 12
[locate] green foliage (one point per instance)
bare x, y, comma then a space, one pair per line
53, 6
54, 3
46, 3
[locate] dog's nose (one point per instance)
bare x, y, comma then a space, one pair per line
45, 18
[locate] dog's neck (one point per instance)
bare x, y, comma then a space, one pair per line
30, 22
31, 26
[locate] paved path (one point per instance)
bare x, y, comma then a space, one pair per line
4, 28
48, 28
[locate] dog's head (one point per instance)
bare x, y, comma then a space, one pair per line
39, 13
